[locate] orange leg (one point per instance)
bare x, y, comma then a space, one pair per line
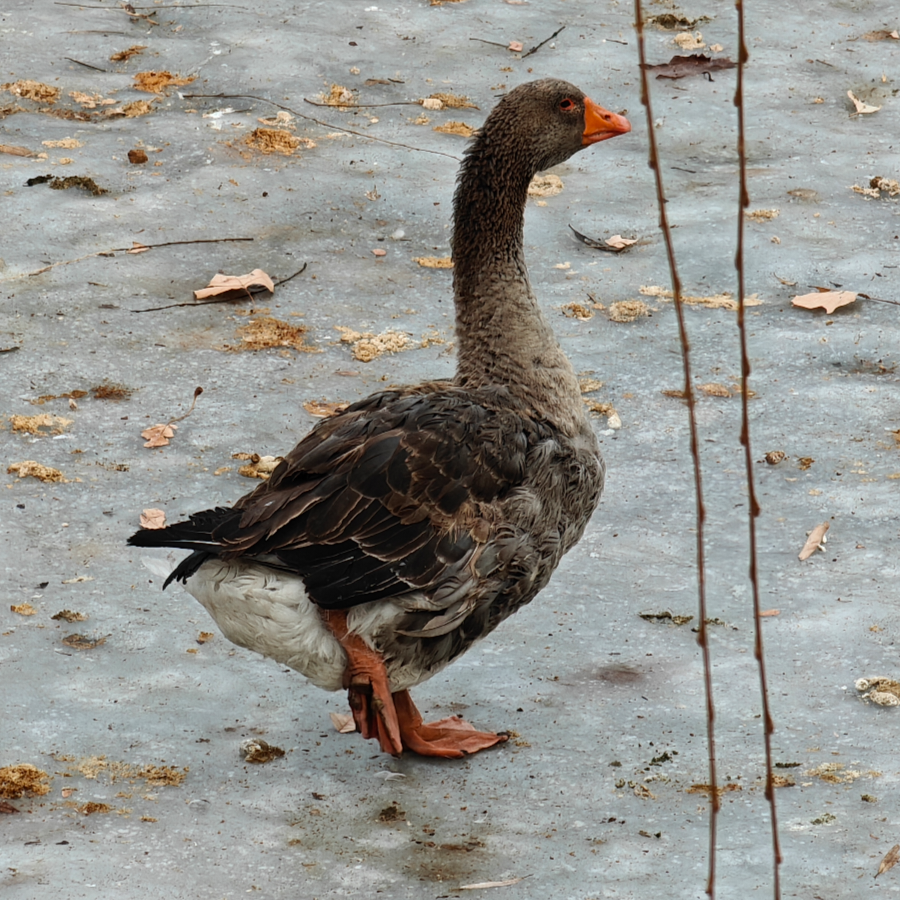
393, 718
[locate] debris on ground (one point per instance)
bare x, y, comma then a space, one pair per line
457, 128
545, 186
257, 466
368, 346
41, 424
665, 616
714, 301
29, 468
276, 140
682, 66
78, 181
627, 310
815, 540
236, 287
258, 751
159, 82
827, 300
880, 690
23, 780
434, 262
32, 90
266, 333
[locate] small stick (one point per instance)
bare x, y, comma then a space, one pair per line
65, 262
218, 299
541, 44
86, 65
300, 115
361, 105
492, 43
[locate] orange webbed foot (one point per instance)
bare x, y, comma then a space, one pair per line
450, 738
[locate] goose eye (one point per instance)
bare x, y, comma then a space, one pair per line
566, 105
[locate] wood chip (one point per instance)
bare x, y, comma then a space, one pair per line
813, 541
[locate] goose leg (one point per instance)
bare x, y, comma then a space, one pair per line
450, 738
368, 690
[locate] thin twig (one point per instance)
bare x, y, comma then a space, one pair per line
744, 203
541, 44
86, 65
493, 43
250, 295
880, 299
690, 397
361, 105
300, 115
65, 262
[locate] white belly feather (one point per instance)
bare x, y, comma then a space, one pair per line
268, 611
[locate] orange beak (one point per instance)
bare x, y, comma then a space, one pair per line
600, 124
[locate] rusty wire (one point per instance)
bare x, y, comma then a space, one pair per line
690, 397
744, 202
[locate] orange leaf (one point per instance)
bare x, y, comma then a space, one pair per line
153, 518
343, 722
827, 300
617, 242
158, 435
221, 285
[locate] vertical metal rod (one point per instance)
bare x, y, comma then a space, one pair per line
703, 635
743, 203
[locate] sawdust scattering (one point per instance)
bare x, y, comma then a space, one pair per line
324, 409
32, 90
589, 385
627, 310
434, 262
259, 751
276, 140
458, 128
257, 466
131, 110
158, 82
707, 789
23, 609
714, 301
111, 391
880, 690
91, 101
837, 773
123, 55
714, 389
576, 311
545, 186
761, 215
368, 346
41, 424
889, 186
159, 776
29, 468
339, 96
687, 41
391, 813
453, 101
65, 143
266, 332
23, 780
78, 181
88, 809
67, 615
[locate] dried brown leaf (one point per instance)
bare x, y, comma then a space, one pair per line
23, 609
83, 642
889, 861
617, 242
259, 751
682, 66
67, 615
239, 285
153, 518
862, 109
158, 435
343, 722
813, 541
827, 300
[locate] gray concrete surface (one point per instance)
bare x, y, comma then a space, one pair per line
594, 692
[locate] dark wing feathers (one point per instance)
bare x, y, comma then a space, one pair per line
378, 501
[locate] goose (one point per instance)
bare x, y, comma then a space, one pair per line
403, 529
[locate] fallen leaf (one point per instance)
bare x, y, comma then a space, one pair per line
785, 281
239, 285
153, 518
617, 242
682, 66
67, 615
343, 722
813, 541
769, 612
827, 300
158, 435
862, 109
516, 46
889, 861
16, 151
23, 609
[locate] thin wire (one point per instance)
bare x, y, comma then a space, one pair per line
703, 634
744, 202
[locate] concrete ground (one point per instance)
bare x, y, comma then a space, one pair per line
148, 794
